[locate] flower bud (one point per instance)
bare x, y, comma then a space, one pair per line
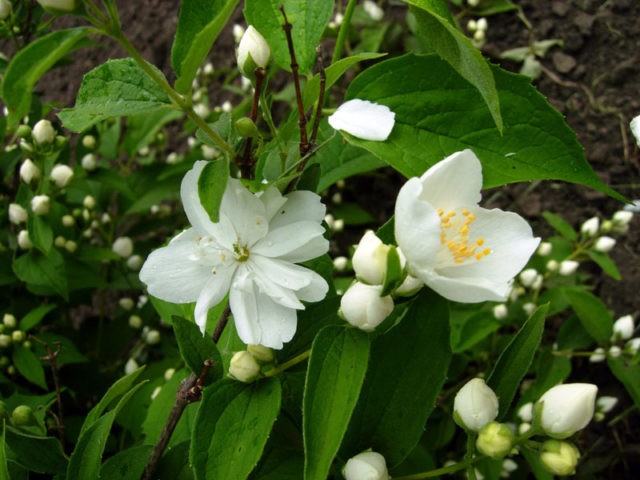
5, 340
70, 246
5, 9
89, 202
366, 466
495, 440
567, 408
59, 241
622, 217
134, 262
131, 366
529, 307
261, 353
340, 263
152, 337
58, 6
373, 10
605, 404
370, 259
135, 321
18, 336
29, 171
24, 241
126, 303
89, 162
552, 265
68, 221
604, 244
43, 132
22, 416
363, 307
41, 204
61, 175
253, 52
482, 24
123, 246
560, 458
244, 367
544, 249
410, 285
528, 276
615, 351
500, 311
598, 355
89, 142
247, 128
568, 267
9, 320
525, 412
475, 405
590, 227
623, 328
17, 214
633, 346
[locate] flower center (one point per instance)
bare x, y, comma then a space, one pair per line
454, 235
241, 252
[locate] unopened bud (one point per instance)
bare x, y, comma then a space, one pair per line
18, 336
525, 412
623, 328
17, 214
370, 259
43, 132
22, 416
615, 351
89, 202
500, 311
89, 142
89, 162
135, 321
598, 355
528, 276
253, 52
340, 263
70, 246
9, 320
152, 337
29, 171
560, 458
409, 286
606, 403
59, 241
131, 366
123, 247
68, 221
134, 262
604, 244
61, 175
244, 367
590, 227
622, 217
247, 128
373, 10
5, 340
24, 241
41, 204
544, 249
363, 307
126, 303
495, 440
261, 353
475, 405
366, 466
23, 131
567, 408
568, 267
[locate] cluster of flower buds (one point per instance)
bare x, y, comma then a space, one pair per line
11, 337
478, 28
246, 365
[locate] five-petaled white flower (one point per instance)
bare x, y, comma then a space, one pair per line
250, 253
462, 251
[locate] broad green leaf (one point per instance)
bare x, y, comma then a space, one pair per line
515, 360
199, 24
86, 458
628, 372
607, 265
142, 129
560, 225
40, 233
336, 370
435, 25
211, 185
29, 366
30, 63
117, 88
441, 113
549, 370
232, 427
20, 448
593, 314
308, 19
474, 329
35, 316
167, 310
42, 272
127, 464
407, 368
493, 7
195, 348
174, 464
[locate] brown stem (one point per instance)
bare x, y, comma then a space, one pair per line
222, 322
302, 119
51, 357
246, 163
316, 121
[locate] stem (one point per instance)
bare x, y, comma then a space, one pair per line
246, 163
51, 357
318, 114
342, 34
437, 472
288, 364
468, 457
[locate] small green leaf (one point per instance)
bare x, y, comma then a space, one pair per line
40, 271
628, 372
142, 129
474, 329
40, 233
195, 348
29, 366
561, 226
607, 265
515, 360
35, 316
593, 314
126, 464
21, 448
117, 88
232, 427
30, 63
199, 24
336, 370
211, 185
393, 274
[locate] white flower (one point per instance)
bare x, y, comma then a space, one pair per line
253, 52
363, 119
56, 6
560, 458
568, 267
89, 162
366, 466
250, 254
604, 244
623, 328
123, 247
567, 408
370, 259
475, 405
43, 132
5, 9
635, 128
61, 175
41, 204
590, 227
29, 171
462, 251
373, 10
363, 307
17, 214
244, 367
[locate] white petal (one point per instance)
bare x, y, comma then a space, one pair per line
363, 119
272, 200
245, 211
301, 205
288, 238
313, 249
417, 226
285, 274
635, 129
213, 292
197, 215
465, 289
279, 294
454, 182
315, 291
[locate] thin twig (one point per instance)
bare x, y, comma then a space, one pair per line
222, 322
51, 357
302, 119
318, 115
246, 163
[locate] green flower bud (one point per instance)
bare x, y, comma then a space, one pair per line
244, 367
5, 341
495, 440
560, 458
22, 416
23, 131
246, 128
18, 336
261, 353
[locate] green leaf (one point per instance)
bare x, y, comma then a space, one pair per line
628, 372
393, 273
167, 310
515, 360
142, 129
336, 370
21, 447
435, 25
30, 63
474, 329
308, 19
561, 226
593, 314
29, 366
127, 464
38, 270
4, 470
40, 233
199, 24
35, 316
493, 7
232, 427
607, 265
407, 369
117, 88
196, 348
211, 185
441, 113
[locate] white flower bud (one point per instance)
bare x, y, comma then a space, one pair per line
537, 283
105, 218
131, 366
508, 467
373, 10
338, 225
208, 69
134, 262
156, 392
336, 198
598, 356
68, 221
89, 202
201, 110
567, 408
633, 345
525, 412
41, 204
18, 336
482, 24
9, 320
544, 249
226, 107
152, 337
370, 259
126, 303
329, 220
5, 341
623, 328
635, 128
43, 132
17, 214
244, 367
238, 32
472, 25
552, 265
568, 267
590, 227
209, 152
29, 171
253, 52
523, 428
70, 246
475, 405
89, 141
89, 162
495, 440
500, 311
135, 321
622, 217
479, 36
604, 244
58, 6
528, 276
61, 175
473, 3
123, 246
366, 466
5, 9
560, 458
606, 403
363, 307
59, 241
24, 241
615, 351
340, 263
529, 307
261, 353
173, 158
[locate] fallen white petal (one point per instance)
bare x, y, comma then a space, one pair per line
364, 119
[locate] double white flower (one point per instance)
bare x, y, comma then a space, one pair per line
250, 254
462, 251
